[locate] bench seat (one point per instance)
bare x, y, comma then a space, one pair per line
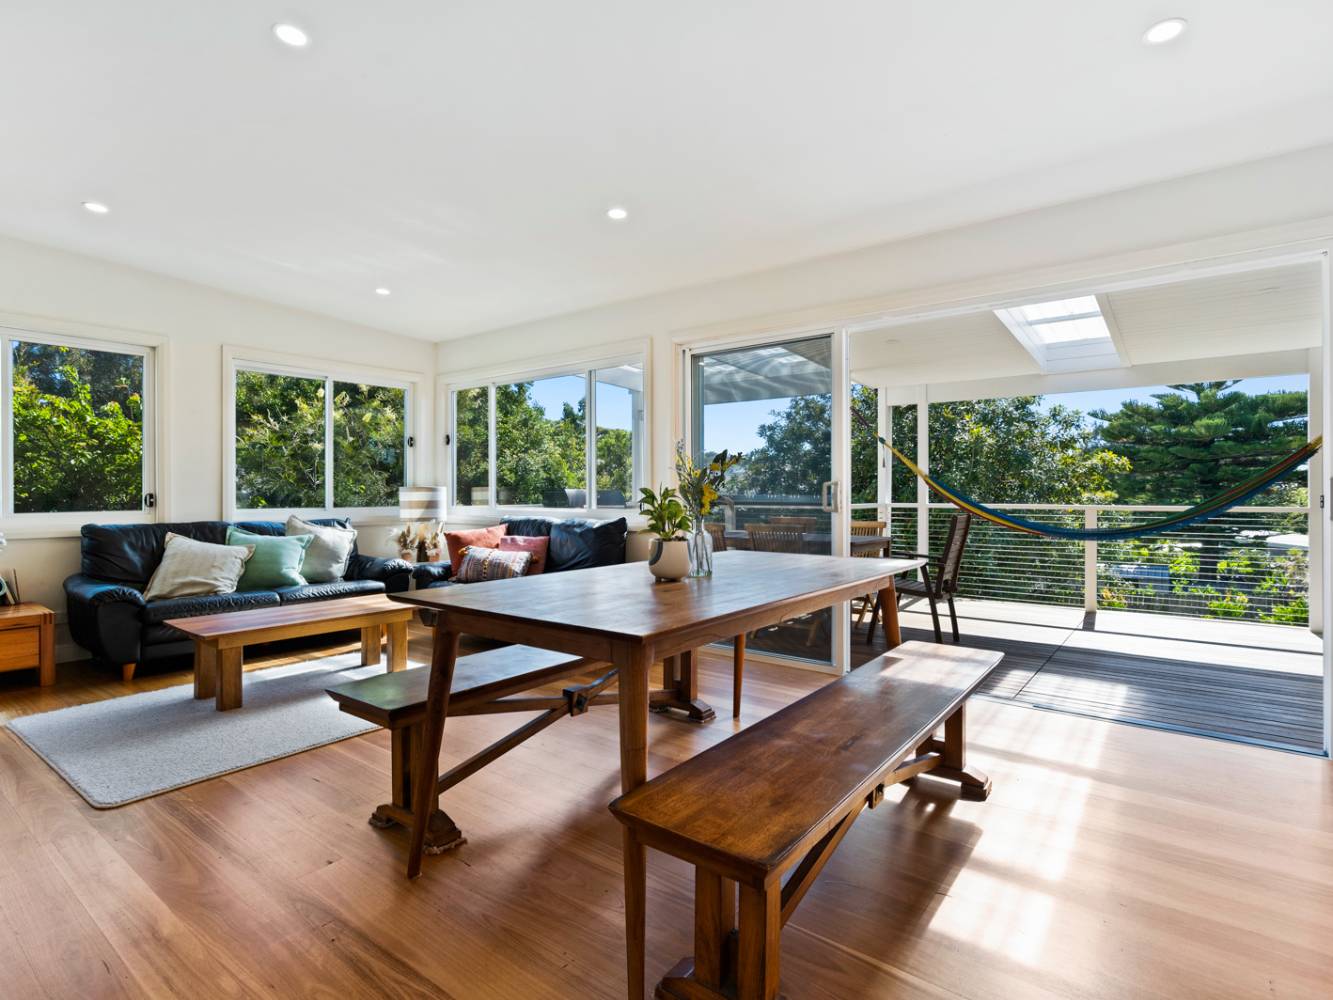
783, 793
483, 683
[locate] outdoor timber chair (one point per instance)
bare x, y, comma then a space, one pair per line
941, 583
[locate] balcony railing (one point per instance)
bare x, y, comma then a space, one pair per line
1250, 563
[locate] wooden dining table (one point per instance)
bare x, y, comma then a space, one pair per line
621, 616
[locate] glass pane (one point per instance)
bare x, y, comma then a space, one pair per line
773, 404
541, 447
78, 429
471, 447
279, 441
369, 444
619, 433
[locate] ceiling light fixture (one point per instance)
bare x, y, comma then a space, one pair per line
96, 207
1165, 31
290, 34
382, 291
617, 213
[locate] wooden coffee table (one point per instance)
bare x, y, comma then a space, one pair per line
220, 640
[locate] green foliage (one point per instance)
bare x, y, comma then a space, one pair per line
368, 453
78, 430
667, 516
279, 441
537, 457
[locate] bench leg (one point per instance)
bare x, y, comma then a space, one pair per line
953, 765
371, 637
711, 971
205, 670
758, 948
397, 646
229, 679
442, 833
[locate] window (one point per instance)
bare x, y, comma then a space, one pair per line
76, 427
1063, 334
540, 441
315, 442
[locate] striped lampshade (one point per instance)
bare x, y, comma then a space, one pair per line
421, 503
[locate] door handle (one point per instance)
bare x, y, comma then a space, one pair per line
829, 494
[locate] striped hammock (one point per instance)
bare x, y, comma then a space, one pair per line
1211, 507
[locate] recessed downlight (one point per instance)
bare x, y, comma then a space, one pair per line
96, 207
617, 213
1165, 31
383, 291
290, 34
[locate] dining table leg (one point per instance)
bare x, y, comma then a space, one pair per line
444, 654
633, 683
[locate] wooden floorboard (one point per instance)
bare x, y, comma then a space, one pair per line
1111, 862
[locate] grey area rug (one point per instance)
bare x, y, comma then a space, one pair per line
125, 749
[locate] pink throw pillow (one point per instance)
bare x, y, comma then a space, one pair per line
536, 544
457, 541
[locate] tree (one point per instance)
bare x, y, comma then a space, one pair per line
1200, 439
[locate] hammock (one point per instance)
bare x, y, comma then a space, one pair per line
1237, 494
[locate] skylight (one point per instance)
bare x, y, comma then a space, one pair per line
1063, 334
1065, 320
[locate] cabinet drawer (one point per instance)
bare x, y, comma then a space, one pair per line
20, 647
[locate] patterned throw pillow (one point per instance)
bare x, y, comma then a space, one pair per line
457, 541
481, 564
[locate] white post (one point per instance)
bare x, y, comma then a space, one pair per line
1090, 563
1314, 480
883, 470
923, 460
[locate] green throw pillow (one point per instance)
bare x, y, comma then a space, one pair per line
276, 562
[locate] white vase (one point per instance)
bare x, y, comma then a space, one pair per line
669, 559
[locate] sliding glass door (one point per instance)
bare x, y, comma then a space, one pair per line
783, 405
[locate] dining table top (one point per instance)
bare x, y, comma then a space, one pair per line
626, 602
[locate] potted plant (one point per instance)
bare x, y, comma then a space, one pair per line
668, 520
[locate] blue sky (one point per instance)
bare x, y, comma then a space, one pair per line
1113, 399
613, 402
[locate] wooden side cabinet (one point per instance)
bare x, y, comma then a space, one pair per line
28, 640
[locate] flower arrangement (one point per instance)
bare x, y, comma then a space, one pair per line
421, 541
700, 488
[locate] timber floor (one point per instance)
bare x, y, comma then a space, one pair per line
1248, 682
1111, 862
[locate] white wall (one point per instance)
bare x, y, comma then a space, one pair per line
52, 291
1268, 201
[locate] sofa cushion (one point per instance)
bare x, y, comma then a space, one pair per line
457, 541
192, 568
129, 553
578, 543
529, 526
207, 604
326, 559
276, 561
330, 590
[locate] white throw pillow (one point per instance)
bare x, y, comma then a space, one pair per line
326, 559
192, 569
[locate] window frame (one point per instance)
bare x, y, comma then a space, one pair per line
587, 370
253, 362
38, 523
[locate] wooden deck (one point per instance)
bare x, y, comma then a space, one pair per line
1236, 681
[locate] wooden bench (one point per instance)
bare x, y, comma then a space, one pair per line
483, 684
779, 797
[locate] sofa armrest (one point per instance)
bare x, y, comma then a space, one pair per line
427, 575
105, 618
395, 574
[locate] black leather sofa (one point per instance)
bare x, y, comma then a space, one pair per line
576, 543
109, 617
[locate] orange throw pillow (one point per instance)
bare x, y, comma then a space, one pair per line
536, 544
457, 541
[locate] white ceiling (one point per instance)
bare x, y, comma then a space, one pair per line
1261, 311
464, 153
